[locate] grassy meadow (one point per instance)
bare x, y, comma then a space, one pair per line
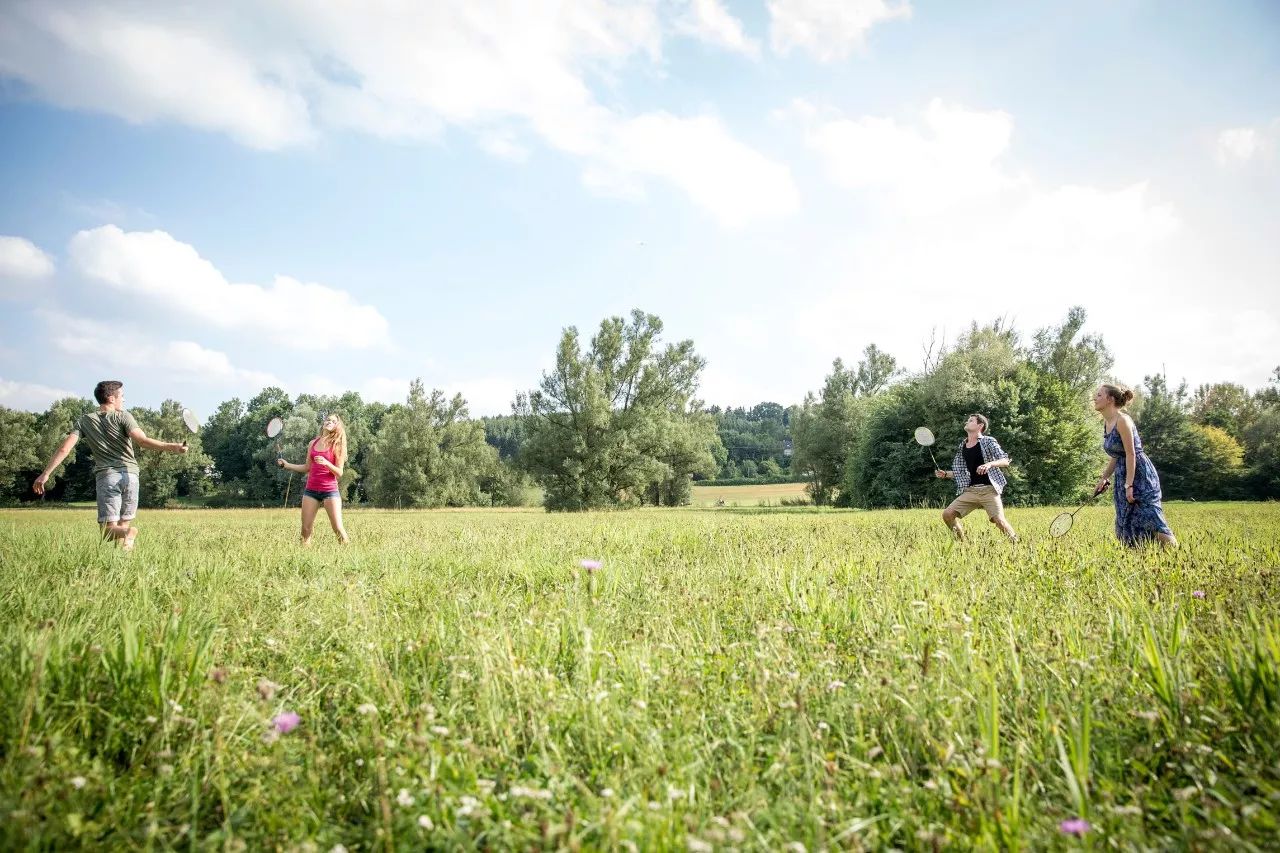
778, 679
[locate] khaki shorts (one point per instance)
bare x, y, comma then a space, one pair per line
974, 497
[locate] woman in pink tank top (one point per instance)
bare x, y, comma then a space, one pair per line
326, 456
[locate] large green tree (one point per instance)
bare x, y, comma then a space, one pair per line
428, 453
18, 451
826, 428
1036, 399
615, 424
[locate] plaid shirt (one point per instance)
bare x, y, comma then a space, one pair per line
991, 451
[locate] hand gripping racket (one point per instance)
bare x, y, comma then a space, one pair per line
1063, 522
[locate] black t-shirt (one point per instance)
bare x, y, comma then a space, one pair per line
972, 459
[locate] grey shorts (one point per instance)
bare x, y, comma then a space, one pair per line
117, 495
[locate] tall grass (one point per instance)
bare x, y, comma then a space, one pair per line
748, 679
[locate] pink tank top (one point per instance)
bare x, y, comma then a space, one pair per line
320, 478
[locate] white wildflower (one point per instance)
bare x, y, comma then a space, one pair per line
520, 791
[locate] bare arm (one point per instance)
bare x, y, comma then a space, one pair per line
290, 466
141, 439
320, 460
1125, 429
58, 455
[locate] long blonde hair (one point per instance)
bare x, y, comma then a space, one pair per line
338, 443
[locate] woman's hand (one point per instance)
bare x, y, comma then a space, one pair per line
279, 462
982, 469
1102, 485
1128, 494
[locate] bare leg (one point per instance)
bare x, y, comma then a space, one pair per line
115, 531
333, 506
310, 506
1003, 523
952, 521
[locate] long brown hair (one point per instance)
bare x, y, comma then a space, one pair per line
338, 443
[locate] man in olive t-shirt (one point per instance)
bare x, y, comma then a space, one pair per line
110, 433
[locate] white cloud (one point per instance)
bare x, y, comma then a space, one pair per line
30, 397
711, 22
172, 276
1240, 145
22, 261
277, 76
702, 158
828, 29
946, 155
184, 361
486, 395
956, 235
150, 66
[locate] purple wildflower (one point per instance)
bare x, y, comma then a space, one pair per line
286, 722
1199, 593
1076, 826
591, 565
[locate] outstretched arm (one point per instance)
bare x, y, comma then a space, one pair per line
58, 455
141, 439
297, 469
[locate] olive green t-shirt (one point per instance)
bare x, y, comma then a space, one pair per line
107, 434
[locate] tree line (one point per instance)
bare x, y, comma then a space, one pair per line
617, 423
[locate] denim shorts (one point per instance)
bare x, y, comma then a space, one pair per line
117, 495
320, 496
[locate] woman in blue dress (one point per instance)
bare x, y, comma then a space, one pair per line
1139, 516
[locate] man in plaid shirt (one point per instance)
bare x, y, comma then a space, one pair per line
979, 480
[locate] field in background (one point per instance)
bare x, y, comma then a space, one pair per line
747, 679
772, 494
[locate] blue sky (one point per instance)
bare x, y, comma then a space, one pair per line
203, 200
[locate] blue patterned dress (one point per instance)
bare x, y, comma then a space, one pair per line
1142, 520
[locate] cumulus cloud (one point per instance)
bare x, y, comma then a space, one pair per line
29, 396
278, 76
22, 262
171, 275
942, 155
711, 22
959, 234
1237, 146
829, 30
184, 361
702, 158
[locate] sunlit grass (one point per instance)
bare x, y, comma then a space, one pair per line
750, 679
